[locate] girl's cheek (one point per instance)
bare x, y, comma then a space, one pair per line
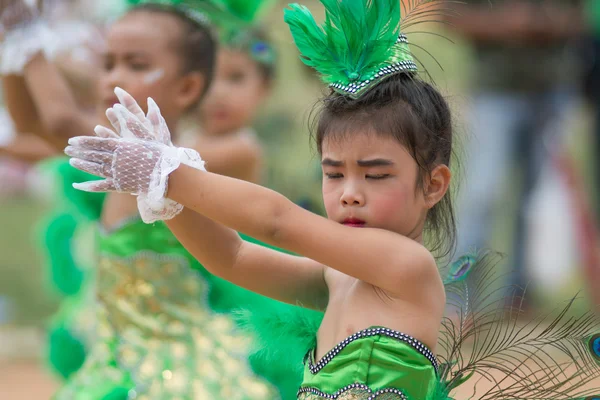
385, 205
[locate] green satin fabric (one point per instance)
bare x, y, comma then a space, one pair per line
379, 362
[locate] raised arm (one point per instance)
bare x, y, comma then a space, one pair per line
220, 250
381, 258
20, 105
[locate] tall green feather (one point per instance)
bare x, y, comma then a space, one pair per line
358, 44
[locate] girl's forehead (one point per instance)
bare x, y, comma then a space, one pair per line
360, 145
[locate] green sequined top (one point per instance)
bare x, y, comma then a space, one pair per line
375, 363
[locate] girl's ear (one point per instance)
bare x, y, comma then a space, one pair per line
438, 184
190, 89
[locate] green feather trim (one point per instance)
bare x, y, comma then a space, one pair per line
282, 336
87, 205
358, 44
67, 353
119, 393
65, 275
57, 232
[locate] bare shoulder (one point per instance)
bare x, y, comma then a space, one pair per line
417, 275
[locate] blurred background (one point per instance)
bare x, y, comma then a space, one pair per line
523, 79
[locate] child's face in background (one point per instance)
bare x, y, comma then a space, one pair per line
370, 180
142, 58
237, 92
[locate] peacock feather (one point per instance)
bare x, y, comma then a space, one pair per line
556, 356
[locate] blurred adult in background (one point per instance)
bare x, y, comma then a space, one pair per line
592, 78
523, 83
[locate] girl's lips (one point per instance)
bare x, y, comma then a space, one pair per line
355, 222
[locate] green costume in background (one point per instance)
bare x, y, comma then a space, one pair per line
153, 321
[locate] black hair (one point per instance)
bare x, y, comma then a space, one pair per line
416, 114
197, 47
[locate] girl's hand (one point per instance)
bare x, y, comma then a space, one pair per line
126, 156
127, 164
136, 157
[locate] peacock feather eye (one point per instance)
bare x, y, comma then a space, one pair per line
594, 344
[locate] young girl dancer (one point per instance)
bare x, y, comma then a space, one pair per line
385, 139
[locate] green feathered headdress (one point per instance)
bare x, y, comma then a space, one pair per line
248, 11
243, 34
358, 45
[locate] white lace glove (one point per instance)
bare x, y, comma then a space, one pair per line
136, 158
25, 35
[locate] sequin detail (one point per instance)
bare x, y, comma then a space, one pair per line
355, 391
414, 343
356, 87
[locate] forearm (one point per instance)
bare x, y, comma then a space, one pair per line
240, 205
19, 104
253, 266
29, 148
215, 246
58, 111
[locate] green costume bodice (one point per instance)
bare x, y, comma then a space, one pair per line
171, 342
375, 363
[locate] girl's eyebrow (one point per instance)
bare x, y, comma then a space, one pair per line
332, 163
376, 162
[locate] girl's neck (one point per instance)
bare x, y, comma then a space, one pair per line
417, 233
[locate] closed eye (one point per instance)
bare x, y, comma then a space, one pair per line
139, 66
378, 176
334, 175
